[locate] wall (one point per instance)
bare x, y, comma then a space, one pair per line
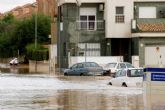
102, 61
148, 42
120, 30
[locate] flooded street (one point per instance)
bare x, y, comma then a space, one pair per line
47, 92
40, 92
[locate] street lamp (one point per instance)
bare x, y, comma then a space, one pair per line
35, 42
35, 10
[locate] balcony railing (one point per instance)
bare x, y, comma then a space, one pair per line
91, 25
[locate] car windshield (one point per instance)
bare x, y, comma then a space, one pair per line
111, 65
129, 65
135, 73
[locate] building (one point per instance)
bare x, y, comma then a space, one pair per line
148, 35
24, 11
111, 28
81, 30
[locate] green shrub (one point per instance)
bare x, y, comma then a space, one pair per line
37, 53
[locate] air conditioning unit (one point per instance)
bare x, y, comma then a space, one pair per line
101, 7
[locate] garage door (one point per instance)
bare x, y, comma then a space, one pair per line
154, 55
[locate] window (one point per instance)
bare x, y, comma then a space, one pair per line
122, 65
129, 65
119, 15
94, 65
147, 12
83, 21
80, 65
74, 66
87, 22
89, 49
87, 18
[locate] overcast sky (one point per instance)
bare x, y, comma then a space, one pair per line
6, 5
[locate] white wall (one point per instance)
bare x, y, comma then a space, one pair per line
100, 60
118, 30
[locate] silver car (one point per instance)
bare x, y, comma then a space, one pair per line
113, 67
84, 69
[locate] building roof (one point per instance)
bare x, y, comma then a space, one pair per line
154, 27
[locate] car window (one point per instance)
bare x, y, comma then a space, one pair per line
94, 65
135, 73
122, 65
74, 66
118, 73
111, 65
87, 64
80, 65
129, 65
123, 73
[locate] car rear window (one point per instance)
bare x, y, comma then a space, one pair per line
111, 65
135, 73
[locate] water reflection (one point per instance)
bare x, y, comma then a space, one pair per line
6, 68
90, 100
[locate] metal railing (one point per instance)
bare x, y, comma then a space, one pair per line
91, 25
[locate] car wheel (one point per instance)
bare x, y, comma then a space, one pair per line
82, 74
110, 83
65, 74
124, 85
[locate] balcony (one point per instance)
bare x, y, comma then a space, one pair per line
148, 25
93, 25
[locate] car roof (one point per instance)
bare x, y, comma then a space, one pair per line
85, 62
120, 62
134, 68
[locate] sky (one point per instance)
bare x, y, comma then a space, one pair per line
6, 5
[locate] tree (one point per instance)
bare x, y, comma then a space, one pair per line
25, 31
16, 35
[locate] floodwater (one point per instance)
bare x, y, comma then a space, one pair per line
45, 92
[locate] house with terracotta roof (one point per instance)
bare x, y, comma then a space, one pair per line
134, 29
148, 32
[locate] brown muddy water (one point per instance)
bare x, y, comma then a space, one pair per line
46, 92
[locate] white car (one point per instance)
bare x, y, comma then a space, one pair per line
113, 67
14, 61
132, 77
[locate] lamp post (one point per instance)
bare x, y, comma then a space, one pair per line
35, 42
35, 10
35, 29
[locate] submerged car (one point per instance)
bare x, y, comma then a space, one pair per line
84, 69
14, 61
132, 77
113, 67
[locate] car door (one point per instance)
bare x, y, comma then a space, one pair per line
120, 77
80, 69
116, 80
96, 68
73, 70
